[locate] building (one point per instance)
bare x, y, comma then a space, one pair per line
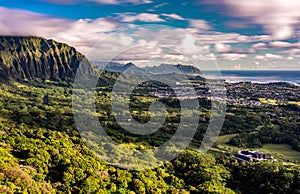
247, 156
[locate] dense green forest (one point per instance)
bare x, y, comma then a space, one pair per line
41, 151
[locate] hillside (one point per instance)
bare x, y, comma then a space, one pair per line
32, 58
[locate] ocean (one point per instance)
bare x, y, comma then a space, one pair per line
256, 76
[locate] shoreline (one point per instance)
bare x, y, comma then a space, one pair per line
261, 82
255, 76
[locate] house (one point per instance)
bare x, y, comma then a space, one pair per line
247, 156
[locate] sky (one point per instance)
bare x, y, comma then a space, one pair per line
223, 34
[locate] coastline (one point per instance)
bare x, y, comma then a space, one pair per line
255, 76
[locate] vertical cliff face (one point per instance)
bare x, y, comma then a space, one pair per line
31, 58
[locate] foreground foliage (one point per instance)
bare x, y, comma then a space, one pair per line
41, 152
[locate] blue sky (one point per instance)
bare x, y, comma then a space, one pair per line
236, 35
211, 13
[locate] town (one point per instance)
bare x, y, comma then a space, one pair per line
241, 94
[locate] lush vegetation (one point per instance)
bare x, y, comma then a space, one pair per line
32, 58
256, 126
41, 152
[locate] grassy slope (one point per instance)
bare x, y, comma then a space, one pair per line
222, 143
281, 151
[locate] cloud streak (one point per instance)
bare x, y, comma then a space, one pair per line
81, 33
84, 33
199, 24
231, 56
269, 56
143, 17
275, 45
173, 16
279, 17
108, 2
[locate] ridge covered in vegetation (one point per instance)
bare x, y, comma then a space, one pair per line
32, 58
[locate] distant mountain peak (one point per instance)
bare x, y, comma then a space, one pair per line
130, 64
171, 68
163, 68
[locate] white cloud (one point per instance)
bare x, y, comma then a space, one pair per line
260, 57
259, 45
275, 45
160, 5
238, 67
84, 33
225, 48
199, 24
81, 34
218, 37
173, 16
109, 2
168, 45
222, 48
188, 44
269, 56
281, 44
279, 17
144, 17
231, 56
292, 52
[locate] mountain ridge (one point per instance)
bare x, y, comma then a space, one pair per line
161, 69
34, 58
38, 59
